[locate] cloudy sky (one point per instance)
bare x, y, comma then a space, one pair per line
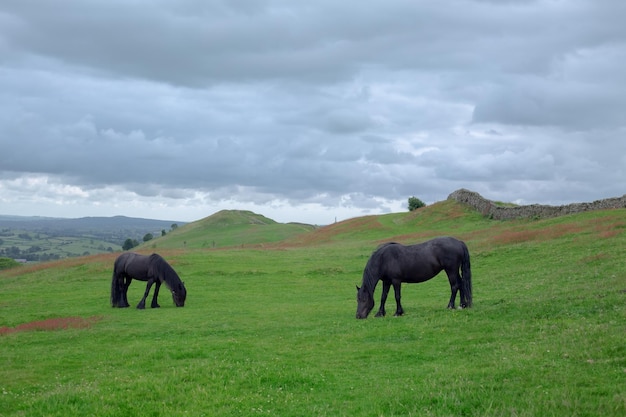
307, 111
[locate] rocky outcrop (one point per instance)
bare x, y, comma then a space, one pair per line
492, 210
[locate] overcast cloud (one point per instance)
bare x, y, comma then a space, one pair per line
307, 111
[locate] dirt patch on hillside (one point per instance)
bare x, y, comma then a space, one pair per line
60, 323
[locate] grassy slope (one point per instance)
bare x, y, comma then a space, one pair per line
227, 228
271, 331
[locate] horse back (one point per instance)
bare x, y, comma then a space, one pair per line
133, 265
448, 250
420, 262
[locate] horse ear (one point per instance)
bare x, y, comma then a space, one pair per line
357, 288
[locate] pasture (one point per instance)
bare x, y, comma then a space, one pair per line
272, 331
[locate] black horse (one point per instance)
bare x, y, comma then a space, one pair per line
154, 269
394, 264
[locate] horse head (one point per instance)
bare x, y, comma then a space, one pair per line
179, 294
365, 302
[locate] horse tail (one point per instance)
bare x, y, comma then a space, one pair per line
466, 276
116, 292
117, 283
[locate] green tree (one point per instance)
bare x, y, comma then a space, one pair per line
6, 263
415, 203
147, 237
129, 244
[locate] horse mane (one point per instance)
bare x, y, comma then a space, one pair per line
165, 271
384, 245
371, 273
370, 278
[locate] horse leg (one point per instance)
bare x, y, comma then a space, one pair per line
125, 283
462, 294
383, 299
142, 303
396, 290
455, 281
156, 294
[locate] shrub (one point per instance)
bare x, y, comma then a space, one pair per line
415, 203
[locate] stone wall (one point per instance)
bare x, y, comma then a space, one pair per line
494, 211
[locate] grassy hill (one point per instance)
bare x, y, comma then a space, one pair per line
228, 228
269, 325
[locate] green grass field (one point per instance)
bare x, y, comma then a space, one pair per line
270, 329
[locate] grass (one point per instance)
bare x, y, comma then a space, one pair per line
271, 330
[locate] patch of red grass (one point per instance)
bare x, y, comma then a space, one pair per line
609, 227
608, 234
547, 233
60, 323
597, 257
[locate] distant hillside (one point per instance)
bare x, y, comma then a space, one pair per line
84, 224
229, 228
45, 238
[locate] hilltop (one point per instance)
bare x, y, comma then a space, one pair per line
229, 228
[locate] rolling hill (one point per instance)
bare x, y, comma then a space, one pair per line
228, 228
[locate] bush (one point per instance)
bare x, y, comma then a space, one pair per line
415, 203
129, 244
6, 263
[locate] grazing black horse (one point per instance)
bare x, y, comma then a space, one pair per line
394, 264
154, 269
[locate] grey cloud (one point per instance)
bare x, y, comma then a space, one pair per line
328, 103
584, 104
